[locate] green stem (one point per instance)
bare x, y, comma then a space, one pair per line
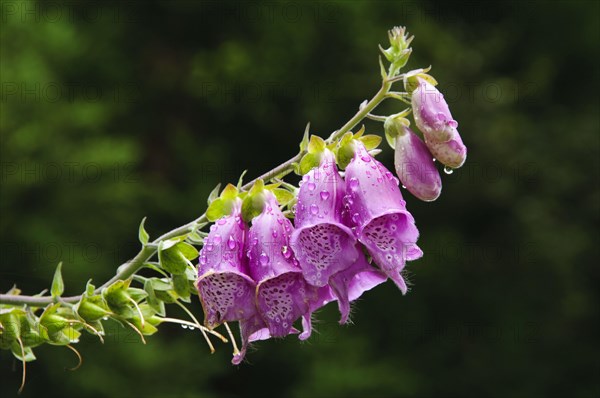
129, 268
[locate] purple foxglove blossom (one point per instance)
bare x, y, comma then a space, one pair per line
321, 243
431, 113
378, 212
282, 294
225, 289
350, 284
415, 167
451, 153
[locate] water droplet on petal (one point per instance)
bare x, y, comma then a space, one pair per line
217, 239
287, 253
209, 247
434, 159
355, 218
403, 186
324, 195
231, 243
203, 260
353, 183
263, 258
274, 234
314, 209
311, 186
448, 170
222, 221
366, 158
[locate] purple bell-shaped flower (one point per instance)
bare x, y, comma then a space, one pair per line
282, 294
415, 166
225, 289
378, 212
321, 243
324, 246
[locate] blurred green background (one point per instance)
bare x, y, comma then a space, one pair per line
112, 111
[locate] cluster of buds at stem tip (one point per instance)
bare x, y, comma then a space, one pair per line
399, 51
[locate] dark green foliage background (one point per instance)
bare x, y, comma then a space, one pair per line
504, 302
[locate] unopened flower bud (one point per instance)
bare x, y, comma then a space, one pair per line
432, 114
415, 167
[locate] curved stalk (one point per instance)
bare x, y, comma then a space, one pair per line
130, 267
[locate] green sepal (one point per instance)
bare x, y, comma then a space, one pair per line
58, 286
143, 236
147, 329
167, 296
411, 79
316, 144
65, 336
283, 196
17, 353
214, 194
254, 201
116, 294
222, 205
345, 150
11, 325
152, 300
92, 311
308, 162
175, 259
90, 289
370, 141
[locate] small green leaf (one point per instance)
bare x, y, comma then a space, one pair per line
136, 294
188, 251
214, 194
305, 138
241, 180
160, 284
182, 287
58, 287
142, 234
